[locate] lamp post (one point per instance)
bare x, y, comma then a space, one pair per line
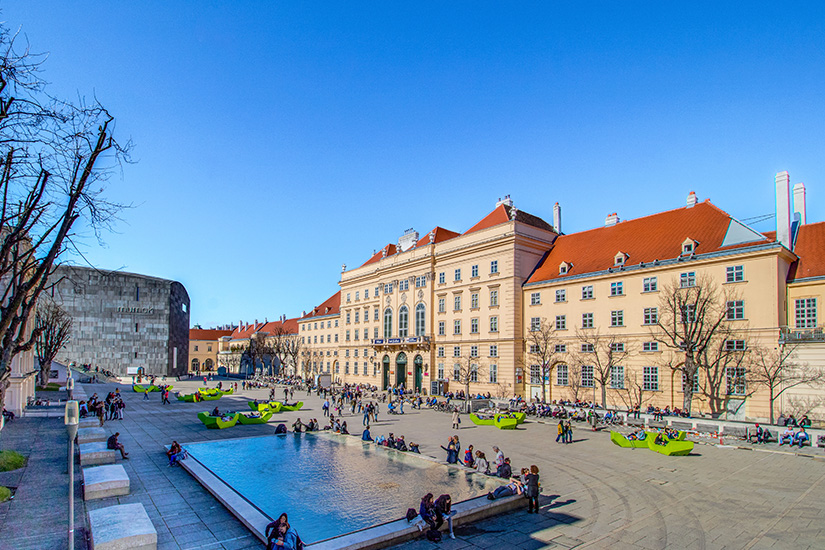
69, 384
72, 418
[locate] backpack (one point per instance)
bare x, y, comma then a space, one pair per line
299, 544
433, 535
411, 513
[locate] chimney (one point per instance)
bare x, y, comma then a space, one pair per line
506, 202
612, 219
557, 218
692, 200
799, 203
783, 209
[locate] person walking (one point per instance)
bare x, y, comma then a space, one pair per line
561, 432
568, 432
532, 490
456, 419
146, 395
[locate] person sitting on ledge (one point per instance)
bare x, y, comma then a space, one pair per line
114, 444
365, 435
344, 430
8, 415
400, 444
637, 435
805, 422
787, 436
800, 438
513, 488
414, 448
505, 470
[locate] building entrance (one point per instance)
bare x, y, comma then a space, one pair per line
418, 371
400, 369
385, 367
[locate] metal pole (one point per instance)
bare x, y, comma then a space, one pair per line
72, 433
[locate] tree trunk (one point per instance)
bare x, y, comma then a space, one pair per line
689, 370
770, 406
604, 397
45, 370
467, 396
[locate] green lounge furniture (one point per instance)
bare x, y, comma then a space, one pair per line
189, 398
142, 389
273, 406
479, 421
296, 407
503, 422
671, 448
262, 418
623, 441
520, 416
218, 422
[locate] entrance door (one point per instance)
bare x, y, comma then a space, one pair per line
386, 369
418, 370
400, 369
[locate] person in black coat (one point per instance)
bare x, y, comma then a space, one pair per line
532, 490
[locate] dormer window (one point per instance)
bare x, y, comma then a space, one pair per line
564, 267
688, 247
619, 259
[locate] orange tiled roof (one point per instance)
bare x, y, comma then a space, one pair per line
810, 247
333, 303
502, 213
390, 248
245, 331
207, 333
440, 235
655, 237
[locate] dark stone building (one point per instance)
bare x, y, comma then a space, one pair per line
124, 322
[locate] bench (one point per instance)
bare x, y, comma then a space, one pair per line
105, 481
735, 431
122, 526
90, 435
92, 454
88, 422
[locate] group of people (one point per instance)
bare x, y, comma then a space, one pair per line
791, 437
565, 432
527, 484
397, 443
790, 420
433, 513
110, 408
280, 535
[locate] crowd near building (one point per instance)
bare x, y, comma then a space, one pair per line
514, 306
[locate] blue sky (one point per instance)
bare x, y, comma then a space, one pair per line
276, 141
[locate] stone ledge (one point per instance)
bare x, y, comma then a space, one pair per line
105, 481
89, 422
122, 526
92, 454
90, 435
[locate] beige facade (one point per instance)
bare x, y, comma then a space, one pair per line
204, 345
319, 332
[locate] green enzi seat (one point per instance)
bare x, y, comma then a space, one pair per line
671, 448
620, 440
263, 418
505, 423
478, 421
296, 407
217, 422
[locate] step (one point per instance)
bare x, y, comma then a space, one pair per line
92, 454
91, 435
122, 526
105, 481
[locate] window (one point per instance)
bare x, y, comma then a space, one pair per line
650, 346
734, 345
587, 376
366, 315
336, 336
441, 351
137, 330
442, 305
420, 320
687, 248
474, 326
650, 379
388, 288
366, 295
473, 373
561, 322
377, 290
493, 350
535, 324
587, 348
442, 278
347, 338
209, 347
348, 297
617, 289
374, 333
494, 266
457, 275
617, 347
357, 295
494, 324
474, 300
355, 368
375, 318
474, 351
535, 374
474, 271
562, 268
535, 299
404, 284
734, 273
534, 348
650, 284
561, 295
493, 298
735, 380
587, 320
687, 280
348, 317
651, 316
196, 348
403, 322
441, 328
457, 302
805, 312
561, 348
494, 374
420, 282
561, 375
357, 316
357, 333
457, 372
617, 377
587, 292
617, 318
441, 371
688, 314
736, 310
137, 296
316, 338
457, 326
388, 323
346, 367
456, 351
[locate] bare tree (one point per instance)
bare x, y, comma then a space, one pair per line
541, 351
293, 349
50, 176
605, 353
231, 361
258, 349
722, 373
469, 369
306, 353
54, 328
574, 380
691, 311
777, 371
280, 340
804, 405
633, 393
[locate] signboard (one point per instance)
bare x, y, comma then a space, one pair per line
141, 310
377, 341
393, 340
132, 370
413, 340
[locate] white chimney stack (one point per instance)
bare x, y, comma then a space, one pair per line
612, 219
506, 202
692, 200
799, 203
783, 209
557, 218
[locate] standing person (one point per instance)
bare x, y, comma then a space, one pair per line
456, 419
498, 462
568, 432
443, 510
146, 395
325, 407
532, 490
561, 432
452, 454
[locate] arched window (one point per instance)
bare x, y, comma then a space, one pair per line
420, 311
403, 322
388, 323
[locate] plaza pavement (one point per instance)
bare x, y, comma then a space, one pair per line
595, 495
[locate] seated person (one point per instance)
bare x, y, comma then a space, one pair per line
800, 438
758, 434
400, 444
660, 439
638, 435
414, 448
175, 453
380, 440
365, 435
280, 429
8, 415
786, 437
113, 443
215, 411
505, 470
513, 488
805, 422
671, 433
391, 440
344, 430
